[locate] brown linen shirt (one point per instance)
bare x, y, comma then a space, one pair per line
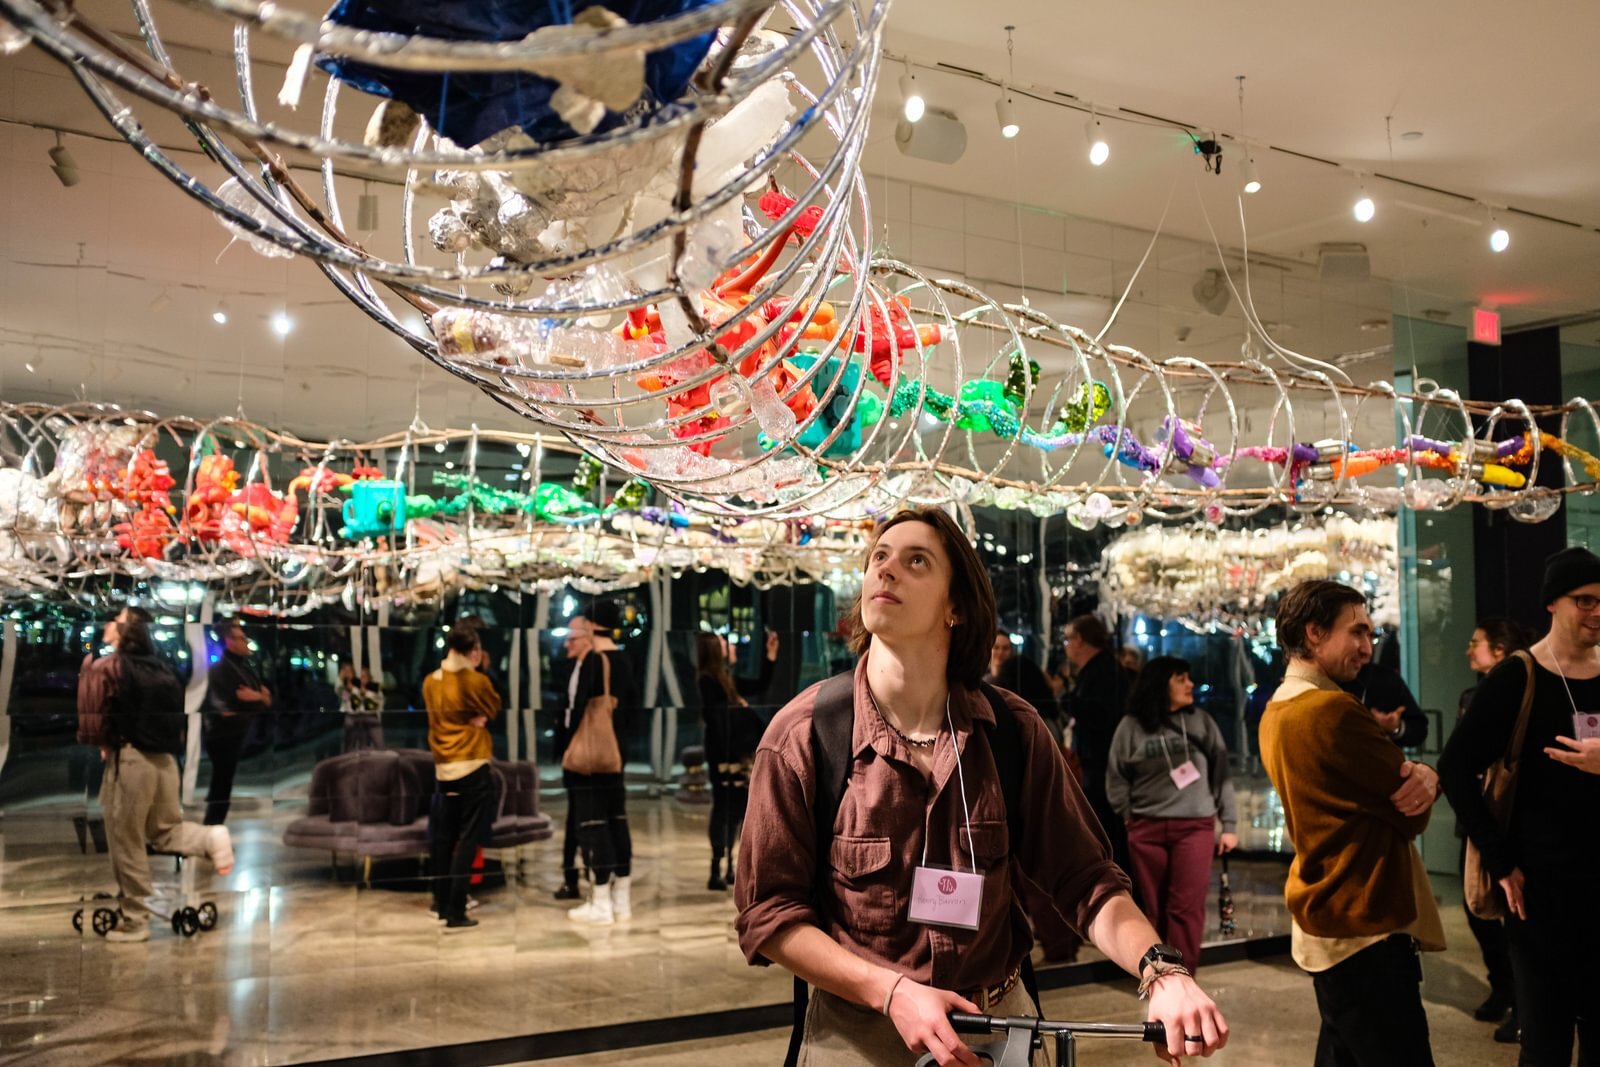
886, 814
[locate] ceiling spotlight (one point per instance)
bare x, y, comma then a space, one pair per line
281, 325
1499, 239
63, 164
1008, 119
220, 315
912, 104
367, 209
1002, 106
1252, 177
1364, 208
1099, 150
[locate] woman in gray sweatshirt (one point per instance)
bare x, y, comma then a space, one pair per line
1168, 779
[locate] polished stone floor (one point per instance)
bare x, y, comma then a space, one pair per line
307, 964
1269, 1006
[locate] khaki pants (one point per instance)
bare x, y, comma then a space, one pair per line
140, 798
840, 1034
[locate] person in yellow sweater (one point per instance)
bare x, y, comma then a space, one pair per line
1357, 891
460, 703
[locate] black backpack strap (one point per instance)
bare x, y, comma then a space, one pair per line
1010, 761
833, 720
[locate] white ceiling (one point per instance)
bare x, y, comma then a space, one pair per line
1505, 104
1504, 97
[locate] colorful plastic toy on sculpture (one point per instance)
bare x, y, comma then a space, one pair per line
217, 510
148, 529
379, 507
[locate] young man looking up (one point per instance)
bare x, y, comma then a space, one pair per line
1352, 802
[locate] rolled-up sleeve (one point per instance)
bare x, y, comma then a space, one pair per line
776, 886
1063, 850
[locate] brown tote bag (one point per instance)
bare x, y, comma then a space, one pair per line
593, 748
1485, 898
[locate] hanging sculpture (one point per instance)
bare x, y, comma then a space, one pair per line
92, 496
712, 317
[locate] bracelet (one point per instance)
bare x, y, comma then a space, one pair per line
1159, 971
890, 995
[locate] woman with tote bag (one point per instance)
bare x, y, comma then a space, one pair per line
605, 692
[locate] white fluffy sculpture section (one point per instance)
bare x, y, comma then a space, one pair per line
1201, 575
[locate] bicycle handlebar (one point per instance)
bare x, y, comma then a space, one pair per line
968, 1023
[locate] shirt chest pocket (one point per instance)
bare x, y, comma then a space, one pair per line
990, 843
863, 883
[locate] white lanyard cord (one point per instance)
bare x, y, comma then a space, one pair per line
961, 780
1186, 756
1562, 675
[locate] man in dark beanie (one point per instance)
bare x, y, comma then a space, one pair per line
1545, 860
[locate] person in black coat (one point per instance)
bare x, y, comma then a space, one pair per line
732, 733
1010, 669
235, 695
1384, 693
1096, 705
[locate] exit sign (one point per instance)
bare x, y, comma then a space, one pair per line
1485, 326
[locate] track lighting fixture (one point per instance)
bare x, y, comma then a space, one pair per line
1099, 149
1499, 239
912, 105
1252, 177
1364, 207
219, 314
1008, 120
1002, 107
282, 324
63, 164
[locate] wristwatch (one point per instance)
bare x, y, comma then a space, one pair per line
1159, 953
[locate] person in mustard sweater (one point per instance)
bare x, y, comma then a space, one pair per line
460, 703
1357, 891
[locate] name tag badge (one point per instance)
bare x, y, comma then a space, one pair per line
1184, 775
1586, 724
946, 898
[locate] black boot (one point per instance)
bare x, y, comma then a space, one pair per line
1494, 1009
714, 883
729, 878
1507, 1033
569, 887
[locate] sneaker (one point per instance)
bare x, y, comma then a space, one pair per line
598, 911
219, 846
455, 926
433, 913
126, 933
716, 884
568, 892
472, 902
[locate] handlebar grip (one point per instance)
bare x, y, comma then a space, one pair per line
964, 1022
1155, 1033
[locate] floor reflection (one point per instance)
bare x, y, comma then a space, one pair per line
307, 964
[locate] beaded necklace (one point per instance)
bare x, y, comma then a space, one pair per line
928, 742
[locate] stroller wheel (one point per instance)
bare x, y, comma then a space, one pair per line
188, 921
77, 920
207, 914
104, 921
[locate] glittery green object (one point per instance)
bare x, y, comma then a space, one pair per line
1087, 407
587, 476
